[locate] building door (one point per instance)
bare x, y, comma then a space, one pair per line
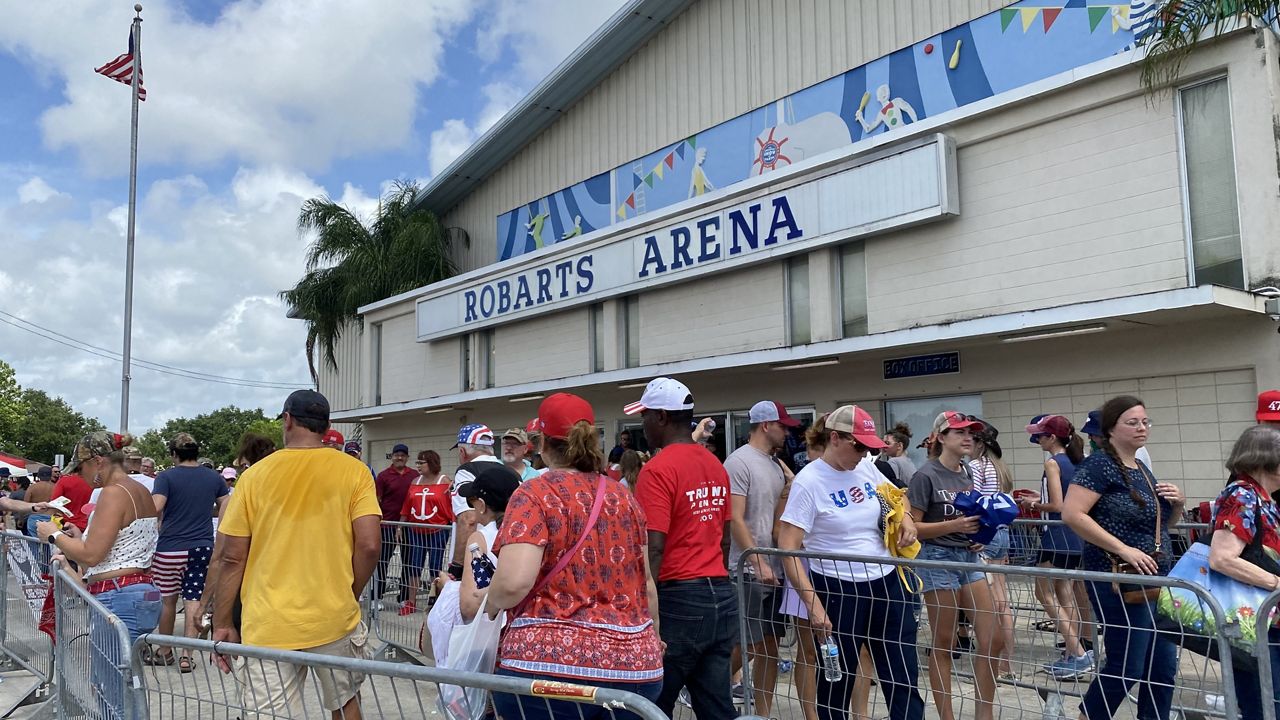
919, 414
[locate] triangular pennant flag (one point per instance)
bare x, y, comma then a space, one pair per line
1028, 17
657, 170
1050, 15
1006, 16
670, 160
648, 179
622, 212
1096, 13
631, 200
635, 181
693, 141
680, 150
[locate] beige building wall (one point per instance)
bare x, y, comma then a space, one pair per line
717, 60
732, 312
552, 345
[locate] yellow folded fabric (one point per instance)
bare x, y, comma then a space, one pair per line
893, 510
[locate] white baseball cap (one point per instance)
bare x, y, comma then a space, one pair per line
662, 393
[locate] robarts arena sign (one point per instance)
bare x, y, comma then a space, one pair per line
892, 189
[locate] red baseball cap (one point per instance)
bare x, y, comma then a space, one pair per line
532, 426
1269, 406
857, 422
332, 437
1054, 425
951, 420
558, 414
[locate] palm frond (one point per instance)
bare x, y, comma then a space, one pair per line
1180, 26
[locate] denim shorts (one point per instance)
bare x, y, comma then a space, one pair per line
935, 579
998, 548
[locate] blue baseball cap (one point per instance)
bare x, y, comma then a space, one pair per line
1035, 439
1093, 424
474, 435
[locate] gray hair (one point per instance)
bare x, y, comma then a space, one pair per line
1257, 449
476, 449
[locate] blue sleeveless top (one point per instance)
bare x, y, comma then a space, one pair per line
1059, 538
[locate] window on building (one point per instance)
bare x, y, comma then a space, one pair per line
377, 363
465, 343
919, 414
798, 300
487, 359
1209, 164
596, 330
853, 289
631, 326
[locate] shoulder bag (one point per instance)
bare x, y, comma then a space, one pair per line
1135, 593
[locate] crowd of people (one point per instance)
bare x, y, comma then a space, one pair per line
621, 570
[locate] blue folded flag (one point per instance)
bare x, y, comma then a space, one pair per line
993, 512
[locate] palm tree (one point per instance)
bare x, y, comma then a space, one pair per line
1180, 26
350, 264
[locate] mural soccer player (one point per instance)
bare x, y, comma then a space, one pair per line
891, 111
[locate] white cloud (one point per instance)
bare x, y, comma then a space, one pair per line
208, 268
290, 82
36, 190
455, 135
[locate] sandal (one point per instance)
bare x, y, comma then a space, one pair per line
1046, 625
185, 664
156, 658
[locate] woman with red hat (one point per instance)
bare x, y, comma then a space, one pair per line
596, 623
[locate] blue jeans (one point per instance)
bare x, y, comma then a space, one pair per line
698, 620
424, 548
1249, 682
42, 549
1135, 654
525, 707
138, 607
880, 616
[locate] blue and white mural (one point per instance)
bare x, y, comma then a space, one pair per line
1026, 42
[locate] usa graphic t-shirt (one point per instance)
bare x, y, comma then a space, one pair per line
428, 505
684, 491
839, 513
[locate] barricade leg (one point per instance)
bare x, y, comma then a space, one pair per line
414, 559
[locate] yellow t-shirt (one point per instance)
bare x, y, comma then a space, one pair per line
297, 506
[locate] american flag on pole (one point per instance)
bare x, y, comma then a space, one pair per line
121, 70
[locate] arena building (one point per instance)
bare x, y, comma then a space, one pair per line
913, 206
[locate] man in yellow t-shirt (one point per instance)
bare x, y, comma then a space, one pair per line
301, 538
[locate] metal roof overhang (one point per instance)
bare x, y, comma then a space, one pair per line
602, 53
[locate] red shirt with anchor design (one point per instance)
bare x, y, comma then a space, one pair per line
428, 505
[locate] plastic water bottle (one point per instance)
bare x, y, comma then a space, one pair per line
481, 566
829, 653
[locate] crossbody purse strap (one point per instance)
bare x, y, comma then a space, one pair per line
573, 551
1146, 475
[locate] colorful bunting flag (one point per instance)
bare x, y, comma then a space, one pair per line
680, 150
657, 170
1096, 13
1028, 17
1050, 15
670, 160
1006, 17
648, 179
635, 181
631, 200
622, 212
693, 141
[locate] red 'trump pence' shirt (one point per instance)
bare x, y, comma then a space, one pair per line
684, 491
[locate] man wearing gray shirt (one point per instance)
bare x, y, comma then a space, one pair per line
756, 480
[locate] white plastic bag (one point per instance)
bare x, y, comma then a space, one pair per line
443, 617
472, 648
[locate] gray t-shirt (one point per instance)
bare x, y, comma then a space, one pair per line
932, 489
903, 468
759, 479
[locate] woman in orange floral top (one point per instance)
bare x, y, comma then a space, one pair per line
1245, 513
592, 619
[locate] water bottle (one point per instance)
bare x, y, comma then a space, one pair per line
829, 654
481, 566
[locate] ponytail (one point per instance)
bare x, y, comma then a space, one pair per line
816, 437
1075, 447
901, 432
580, 451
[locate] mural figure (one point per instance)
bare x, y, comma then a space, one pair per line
534, 227
576, 230
1139, 17
812, 136
699, 183
891, 111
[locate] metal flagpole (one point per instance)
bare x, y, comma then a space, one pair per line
133, 201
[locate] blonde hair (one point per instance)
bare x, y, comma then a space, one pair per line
580, 451
816, 436
630, 464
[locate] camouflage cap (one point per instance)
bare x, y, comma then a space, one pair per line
96, 444
131, 452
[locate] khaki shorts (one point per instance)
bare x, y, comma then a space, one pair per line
275, 689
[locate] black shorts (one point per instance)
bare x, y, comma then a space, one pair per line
1060, 560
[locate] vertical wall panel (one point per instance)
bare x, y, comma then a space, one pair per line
718, 60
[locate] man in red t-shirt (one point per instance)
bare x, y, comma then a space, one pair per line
78, 491
684, 491
392, 485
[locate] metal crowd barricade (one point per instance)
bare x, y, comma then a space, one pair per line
93, 668
387, 690
1264, 646
22, 598
1022, 675
403, 583
1025, 535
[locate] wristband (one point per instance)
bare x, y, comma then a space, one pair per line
455, 570
53, 538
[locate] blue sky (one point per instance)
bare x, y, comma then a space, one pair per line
253, 107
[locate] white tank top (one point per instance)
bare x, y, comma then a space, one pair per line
134, 547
